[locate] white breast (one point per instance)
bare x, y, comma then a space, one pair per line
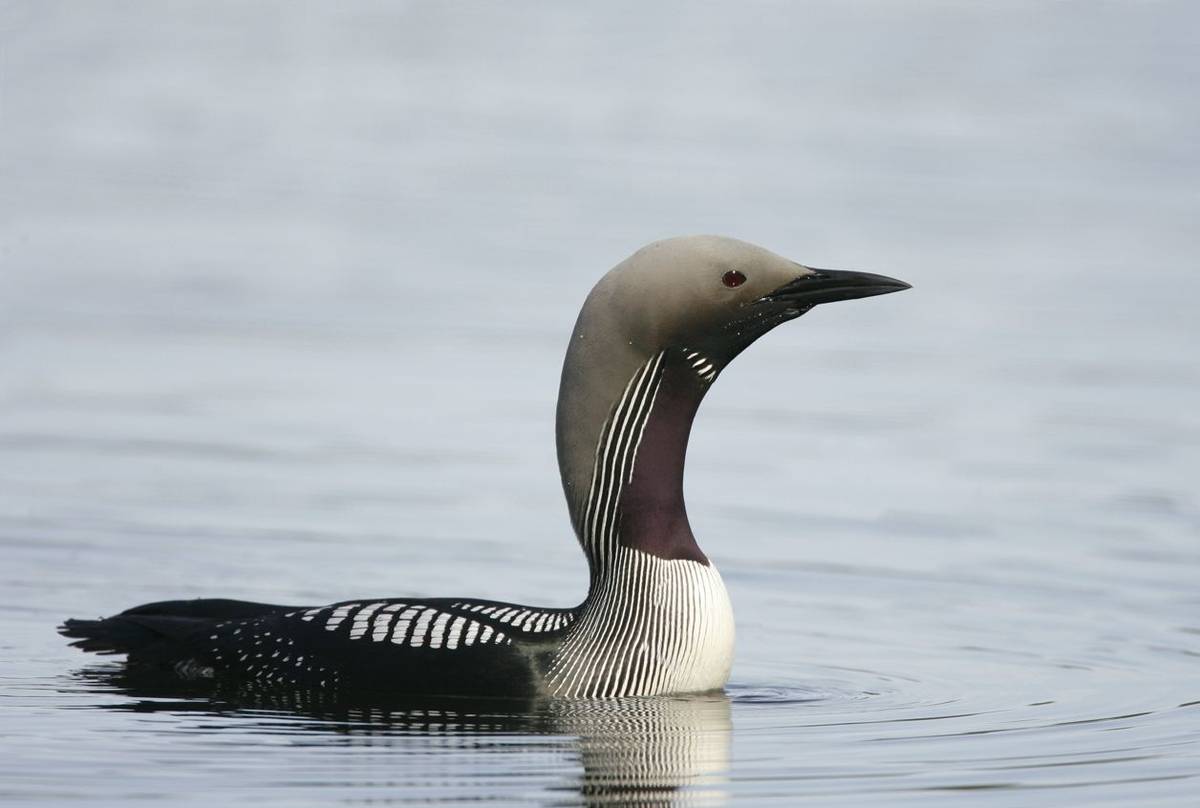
651, 626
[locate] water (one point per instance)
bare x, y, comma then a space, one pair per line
285, 293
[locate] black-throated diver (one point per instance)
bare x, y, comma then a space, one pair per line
652, 337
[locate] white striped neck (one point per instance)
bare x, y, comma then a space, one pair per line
649, 626
635, 491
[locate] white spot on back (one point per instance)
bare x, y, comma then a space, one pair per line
437, 631
361, 620
421, 628
382, 624
338, 615
402, 623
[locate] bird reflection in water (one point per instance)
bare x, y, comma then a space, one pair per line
640, 751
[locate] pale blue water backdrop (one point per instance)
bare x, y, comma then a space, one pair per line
285, 289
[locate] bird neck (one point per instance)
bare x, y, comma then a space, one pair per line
651, 512
623, 474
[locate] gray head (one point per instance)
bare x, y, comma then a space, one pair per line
715, 291
689, 305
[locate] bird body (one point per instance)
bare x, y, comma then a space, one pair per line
651, 339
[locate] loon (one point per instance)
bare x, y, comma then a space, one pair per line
651, 339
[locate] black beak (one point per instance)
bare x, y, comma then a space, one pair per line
830, 285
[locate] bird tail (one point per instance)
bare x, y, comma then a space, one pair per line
112, 635
146, 630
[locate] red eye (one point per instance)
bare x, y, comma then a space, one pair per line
733, 278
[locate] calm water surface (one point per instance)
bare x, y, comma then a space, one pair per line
285, 292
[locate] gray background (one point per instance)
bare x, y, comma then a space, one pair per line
284, 293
